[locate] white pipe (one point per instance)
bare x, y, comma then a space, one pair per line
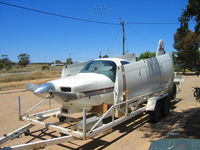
42, 144
115, 122
84, 123
36, 105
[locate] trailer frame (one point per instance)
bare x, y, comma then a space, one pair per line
129, 109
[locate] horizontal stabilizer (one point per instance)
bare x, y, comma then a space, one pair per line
31, 87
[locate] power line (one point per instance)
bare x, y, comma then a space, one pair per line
155, 23
58, 15
85, 20
152, 23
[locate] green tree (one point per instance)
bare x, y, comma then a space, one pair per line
58, 62
105, 56
100, 55
4, 56
192, 11
1, 65
146, 55
5, 62
23, 59
190, 46
186, 43
69, 61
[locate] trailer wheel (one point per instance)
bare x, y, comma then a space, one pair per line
62, 118
172, 91
155, 116
107, 120
27, 132
165, 104
63, 134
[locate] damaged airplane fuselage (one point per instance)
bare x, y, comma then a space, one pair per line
103, 81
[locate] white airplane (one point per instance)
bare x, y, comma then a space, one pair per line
102, 81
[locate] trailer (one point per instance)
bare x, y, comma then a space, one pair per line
156, 104
112, 89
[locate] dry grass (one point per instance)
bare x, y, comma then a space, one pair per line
6, 86
29, 68
29, 76
16, 78
30, 72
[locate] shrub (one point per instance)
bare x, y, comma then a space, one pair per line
1, 65
45, 68
187, 70
8, 67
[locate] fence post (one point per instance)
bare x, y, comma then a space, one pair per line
19, 108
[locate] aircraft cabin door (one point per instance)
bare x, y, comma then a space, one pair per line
120, 84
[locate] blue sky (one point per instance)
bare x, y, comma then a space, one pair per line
47, 38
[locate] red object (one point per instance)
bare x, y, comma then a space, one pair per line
197, 62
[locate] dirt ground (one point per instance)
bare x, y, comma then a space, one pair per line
136, 133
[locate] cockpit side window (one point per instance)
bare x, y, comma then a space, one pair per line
107, 68
124, 62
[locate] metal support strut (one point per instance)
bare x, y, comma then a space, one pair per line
84, 123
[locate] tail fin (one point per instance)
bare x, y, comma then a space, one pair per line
160, 48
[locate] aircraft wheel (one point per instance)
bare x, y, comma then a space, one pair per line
155, 116
165, 104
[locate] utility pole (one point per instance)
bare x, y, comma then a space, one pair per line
100, 54
122, 23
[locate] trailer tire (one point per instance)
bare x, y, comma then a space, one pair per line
172, 91
62, 118
63, 134
195, 94
165, 104
27, 132
155, 116
107, 120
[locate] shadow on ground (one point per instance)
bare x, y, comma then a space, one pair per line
124, 128
189, 125
192, 126
151, 131
96, 142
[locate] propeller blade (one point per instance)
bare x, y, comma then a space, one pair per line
31, 87
46, 87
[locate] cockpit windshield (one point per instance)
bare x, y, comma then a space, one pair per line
104, 67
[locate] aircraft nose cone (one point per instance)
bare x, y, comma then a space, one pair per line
46, 87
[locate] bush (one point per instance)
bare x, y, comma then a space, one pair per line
187, 70
1, 65
45, 68
8, 68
